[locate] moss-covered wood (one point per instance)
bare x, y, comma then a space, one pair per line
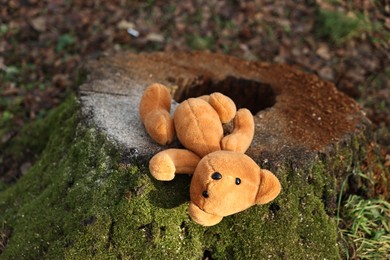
85, 198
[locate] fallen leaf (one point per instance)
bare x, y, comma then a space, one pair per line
39, 24
387, 23
2, 65
9, 91
124, 25
326, 73
387, 160
25, 167
323, 51
155, 37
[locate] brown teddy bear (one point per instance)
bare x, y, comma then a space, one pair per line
225, 180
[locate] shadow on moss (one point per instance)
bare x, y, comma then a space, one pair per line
171, 194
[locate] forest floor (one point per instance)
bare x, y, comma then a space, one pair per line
42, 46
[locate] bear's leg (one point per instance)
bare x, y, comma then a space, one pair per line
241, 137
225, 107
165, 164
154, 110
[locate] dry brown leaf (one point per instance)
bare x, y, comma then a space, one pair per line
124, 25
39, 23
323, 51
155, 37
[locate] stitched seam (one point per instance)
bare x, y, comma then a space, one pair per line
159, 97
221, 106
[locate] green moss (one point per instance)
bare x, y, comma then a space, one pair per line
33, 138
79, 201
338, 27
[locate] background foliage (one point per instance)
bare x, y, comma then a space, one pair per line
43, 43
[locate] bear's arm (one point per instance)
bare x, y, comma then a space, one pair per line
165, 164
243, 131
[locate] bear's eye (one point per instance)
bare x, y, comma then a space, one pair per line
205, 194
238, 181
216, 176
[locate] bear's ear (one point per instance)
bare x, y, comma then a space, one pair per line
269, 187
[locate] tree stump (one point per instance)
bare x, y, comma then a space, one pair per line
306, 132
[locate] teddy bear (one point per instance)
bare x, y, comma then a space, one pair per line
224, 180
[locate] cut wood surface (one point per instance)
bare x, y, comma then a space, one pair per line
293, 111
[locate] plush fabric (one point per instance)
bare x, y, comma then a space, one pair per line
195, 122
164, 165
154, 110
241, 137
225, 180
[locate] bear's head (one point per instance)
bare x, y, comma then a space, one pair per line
225, 183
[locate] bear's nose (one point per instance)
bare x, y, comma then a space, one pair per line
205, 194
216, 176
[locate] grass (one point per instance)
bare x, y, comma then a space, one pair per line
367, 227
4, 234
364, 226
65, 41
338, 27
198, 42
